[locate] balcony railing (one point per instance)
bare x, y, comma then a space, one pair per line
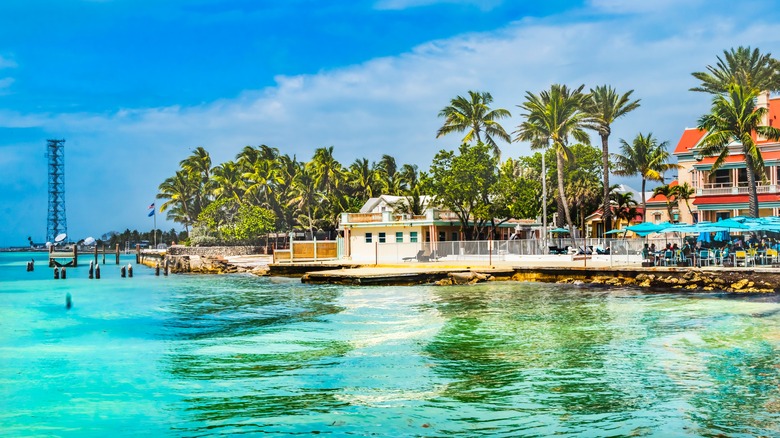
741, 188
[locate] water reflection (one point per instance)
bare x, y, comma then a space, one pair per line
239, 342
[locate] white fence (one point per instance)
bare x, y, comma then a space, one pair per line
617, 251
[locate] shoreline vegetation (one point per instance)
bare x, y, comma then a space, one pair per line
264, 190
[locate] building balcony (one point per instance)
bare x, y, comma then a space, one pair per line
719, 189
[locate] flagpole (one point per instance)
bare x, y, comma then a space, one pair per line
155, 227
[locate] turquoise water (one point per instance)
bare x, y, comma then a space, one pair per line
229, 355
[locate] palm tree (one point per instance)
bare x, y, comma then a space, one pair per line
363, 178
327, 171
227, 181
625, 207
409, 176
685, 192
199, 165
389, 176
304, 197
604, 107
644, 157
734, 117
670, 193
741, 66
584, 191
179, 190
550, 119
474, 116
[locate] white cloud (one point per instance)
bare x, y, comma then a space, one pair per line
5, 83
390, 105
7, 63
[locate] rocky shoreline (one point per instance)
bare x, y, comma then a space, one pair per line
690, 281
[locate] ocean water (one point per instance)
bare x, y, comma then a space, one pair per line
229, 355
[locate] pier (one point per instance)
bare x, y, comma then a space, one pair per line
70, 259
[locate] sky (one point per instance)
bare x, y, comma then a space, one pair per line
133, 86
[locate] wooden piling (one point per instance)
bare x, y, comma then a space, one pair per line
96, 254
137, 253
117, 253
75, 255
104, 254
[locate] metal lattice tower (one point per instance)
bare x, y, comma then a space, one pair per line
56, 223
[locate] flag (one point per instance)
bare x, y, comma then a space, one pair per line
151, 213
151, 206
151, 210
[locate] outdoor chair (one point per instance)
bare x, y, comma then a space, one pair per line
668, 258
705, 257
744, 258
418, 258
770, 257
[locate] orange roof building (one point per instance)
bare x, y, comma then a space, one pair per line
722, 193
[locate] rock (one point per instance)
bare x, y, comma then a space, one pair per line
645, 283
739, 285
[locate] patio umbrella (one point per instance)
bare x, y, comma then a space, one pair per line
616, 231
559, 230
646, 228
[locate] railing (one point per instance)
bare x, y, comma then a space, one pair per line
741, 188
309, 250
621, 251
364, 217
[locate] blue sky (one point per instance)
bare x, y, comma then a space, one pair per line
134, 85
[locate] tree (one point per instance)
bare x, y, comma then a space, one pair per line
473, 115
249, 224
304, 196
670, 193
363, 178
749, 69
735, 117
388, 175
625, 207
179, 190
685, 192
464, 184
550, 119
604, 107
227, 181
198, 165
644, 157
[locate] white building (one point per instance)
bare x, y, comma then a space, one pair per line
380, 232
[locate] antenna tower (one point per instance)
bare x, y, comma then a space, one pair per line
56, 223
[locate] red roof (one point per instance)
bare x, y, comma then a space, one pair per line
734, 199
689, 139
659, 197
767, 156
692, 136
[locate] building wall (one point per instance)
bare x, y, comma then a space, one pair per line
362, 251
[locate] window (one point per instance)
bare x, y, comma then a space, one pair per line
413, 236
369, 237
399, 237
382, 238
442, 236
721, 177
454, 235
427, 236
657, 217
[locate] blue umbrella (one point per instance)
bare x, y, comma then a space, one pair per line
646, 228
